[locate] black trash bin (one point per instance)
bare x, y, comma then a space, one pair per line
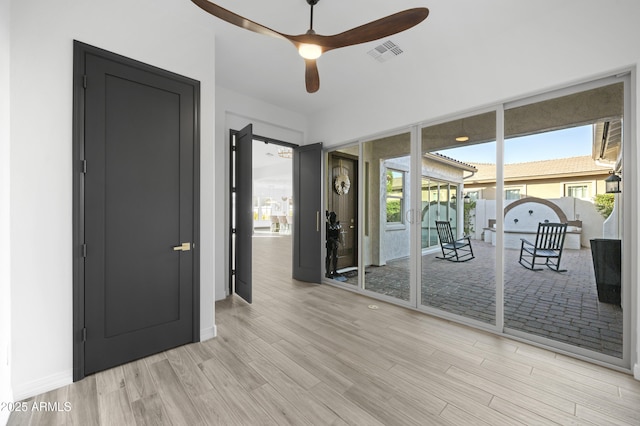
607, 265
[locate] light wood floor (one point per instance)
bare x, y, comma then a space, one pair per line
314, 354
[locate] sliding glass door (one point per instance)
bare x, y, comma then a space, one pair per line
457, 274
389, 216
559, 151
450, 219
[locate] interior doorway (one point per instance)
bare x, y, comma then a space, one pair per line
272, 167
261, 208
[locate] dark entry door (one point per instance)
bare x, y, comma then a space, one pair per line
243, 221
343, 170
140, 216
308, 218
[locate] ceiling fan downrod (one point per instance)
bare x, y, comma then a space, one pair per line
311, 3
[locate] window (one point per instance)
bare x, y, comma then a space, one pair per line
473, 195
580, 190
395, 196
512, 194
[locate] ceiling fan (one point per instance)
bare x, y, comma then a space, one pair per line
311, 45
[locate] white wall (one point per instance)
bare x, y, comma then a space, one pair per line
174, 35
233, 112
527, 47
5, 199
551, 45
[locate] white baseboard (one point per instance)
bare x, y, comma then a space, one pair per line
46, 384
208, 333
636, 371
64, 378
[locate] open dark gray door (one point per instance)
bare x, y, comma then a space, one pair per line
136, 284
308, 217
243, 190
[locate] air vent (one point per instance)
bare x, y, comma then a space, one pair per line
385, 51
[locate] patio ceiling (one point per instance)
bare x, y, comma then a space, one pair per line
596, 106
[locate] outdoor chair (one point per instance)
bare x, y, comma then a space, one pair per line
284, 225
275, 225
454, 250
548, 246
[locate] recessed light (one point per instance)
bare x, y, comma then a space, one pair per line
462, 138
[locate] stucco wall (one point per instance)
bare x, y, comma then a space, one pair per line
547, 188
573, 208
395, 237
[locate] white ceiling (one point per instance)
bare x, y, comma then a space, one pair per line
270, 69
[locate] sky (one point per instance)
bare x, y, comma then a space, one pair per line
564, 143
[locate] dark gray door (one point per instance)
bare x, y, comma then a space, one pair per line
308, 217
139, 211
243, 180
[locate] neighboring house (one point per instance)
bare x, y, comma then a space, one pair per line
578, 177
443, 187
442, 184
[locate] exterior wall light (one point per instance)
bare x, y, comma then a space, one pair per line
612, 183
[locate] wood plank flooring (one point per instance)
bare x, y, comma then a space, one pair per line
305, 354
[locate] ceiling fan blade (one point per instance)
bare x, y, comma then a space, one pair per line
311, 76
374, 30
237, 20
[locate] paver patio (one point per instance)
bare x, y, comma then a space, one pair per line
560, 306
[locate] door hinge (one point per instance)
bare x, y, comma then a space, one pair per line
83, 166
233, 230
84, 334
233, 148
233, 272
84, 81
84, 250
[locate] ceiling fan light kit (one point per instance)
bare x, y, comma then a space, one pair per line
311, 45
309, 51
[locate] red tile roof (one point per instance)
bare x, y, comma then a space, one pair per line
583, 165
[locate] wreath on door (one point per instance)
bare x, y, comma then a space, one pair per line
342, 184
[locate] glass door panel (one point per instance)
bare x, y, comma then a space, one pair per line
387, 246
551, 148
458, 275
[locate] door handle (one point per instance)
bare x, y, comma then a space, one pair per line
317, 221
183, 247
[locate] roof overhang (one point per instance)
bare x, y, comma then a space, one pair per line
607, 142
